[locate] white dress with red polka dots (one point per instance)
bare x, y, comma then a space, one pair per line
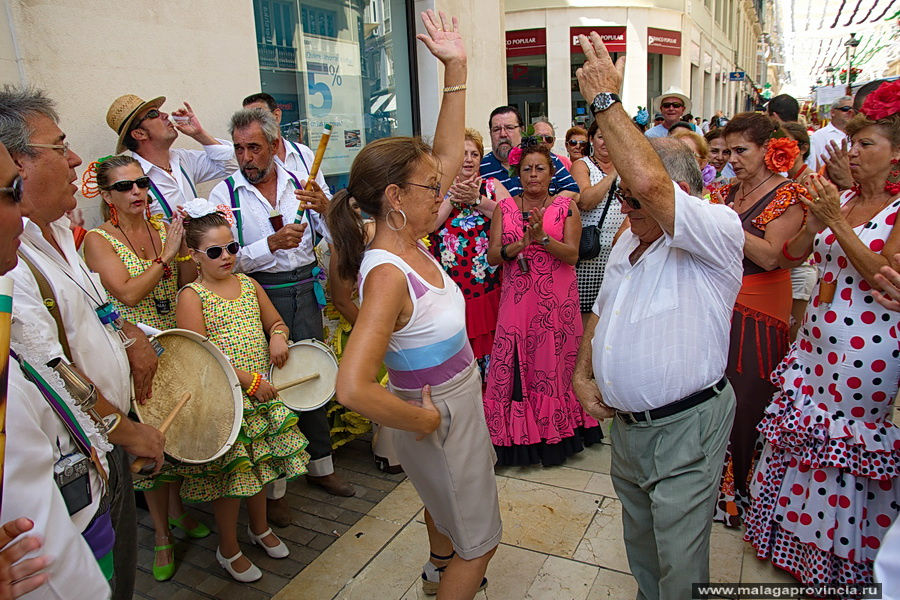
825, 489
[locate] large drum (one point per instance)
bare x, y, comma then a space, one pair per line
307, 357
208, 425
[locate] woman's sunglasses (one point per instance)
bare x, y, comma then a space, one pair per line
577, 144
126, 184
214, 252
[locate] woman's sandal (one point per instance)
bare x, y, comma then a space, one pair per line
164, 572
198, 532
429, 586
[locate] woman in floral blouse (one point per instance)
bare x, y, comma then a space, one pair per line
460, 243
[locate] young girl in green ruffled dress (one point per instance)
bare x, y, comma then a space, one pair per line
235, 313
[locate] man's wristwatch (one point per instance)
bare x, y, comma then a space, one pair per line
603, 101
545, 240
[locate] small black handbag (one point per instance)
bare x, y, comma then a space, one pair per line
589, 246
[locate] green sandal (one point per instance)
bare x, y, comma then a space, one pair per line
198, 532
164, 572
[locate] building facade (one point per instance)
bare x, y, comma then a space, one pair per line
352, 63
698, 46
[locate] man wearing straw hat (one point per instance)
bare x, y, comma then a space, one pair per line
277, 249
672, 104
55, 312
149, 133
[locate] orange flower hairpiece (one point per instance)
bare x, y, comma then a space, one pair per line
781, 154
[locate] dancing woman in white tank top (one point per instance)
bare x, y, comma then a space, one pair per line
412, 317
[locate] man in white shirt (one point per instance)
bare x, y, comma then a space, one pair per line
295, 157
672, 104
654, 352
36, 439
277, 249
47, 166
819, 141
148, 133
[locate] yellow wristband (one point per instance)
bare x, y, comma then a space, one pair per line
454, 88
281, 331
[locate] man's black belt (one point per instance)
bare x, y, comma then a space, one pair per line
675, 407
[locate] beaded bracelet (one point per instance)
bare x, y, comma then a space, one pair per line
167, 270
281, 331
254, 384
454, 88
185, 258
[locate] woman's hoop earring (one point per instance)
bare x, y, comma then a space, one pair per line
387, 219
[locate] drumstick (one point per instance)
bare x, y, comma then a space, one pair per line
139, 463
289, 384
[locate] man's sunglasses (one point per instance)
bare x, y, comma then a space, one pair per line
577, 144
15, 190
548, 139
672, 105
632, 202
125, 185
843, 108
151, 114
214, 252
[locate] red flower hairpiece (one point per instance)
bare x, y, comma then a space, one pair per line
883, 102
781, 154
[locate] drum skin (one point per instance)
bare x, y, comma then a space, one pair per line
210, 422
307, 357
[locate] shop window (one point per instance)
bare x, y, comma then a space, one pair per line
342, 62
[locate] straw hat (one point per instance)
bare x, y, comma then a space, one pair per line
673, 93
122, 112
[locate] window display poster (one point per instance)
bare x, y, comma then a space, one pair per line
334, 95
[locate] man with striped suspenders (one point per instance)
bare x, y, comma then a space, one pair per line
295, 157
277, 250
174, 173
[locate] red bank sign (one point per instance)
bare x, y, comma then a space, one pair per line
613, 37
526, 42
663, 41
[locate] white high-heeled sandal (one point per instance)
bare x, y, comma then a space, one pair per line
279, 551
248, 576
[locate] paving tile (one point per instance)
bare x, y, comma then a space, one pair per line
565, 477
400, 505
726, 554
603, 544
512, 571
394, 569
612, 585
595, 459
326, 575
542, 518
562, 579
601, 483
754, 570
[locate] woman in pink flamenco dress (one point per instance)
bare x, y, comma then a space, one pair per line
530, 406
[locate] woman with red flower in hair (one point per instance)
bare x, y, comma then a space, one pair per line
771, 213
825, 487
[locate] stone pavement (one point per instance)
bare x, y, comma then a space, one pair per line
562, 540
319, 520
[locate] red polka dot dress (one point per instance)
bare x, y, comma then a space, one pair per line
824, 491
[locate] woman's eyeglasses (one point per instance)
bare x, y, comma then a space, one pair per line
125, 185
435, 189
14, 190
576, 144
214, 252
